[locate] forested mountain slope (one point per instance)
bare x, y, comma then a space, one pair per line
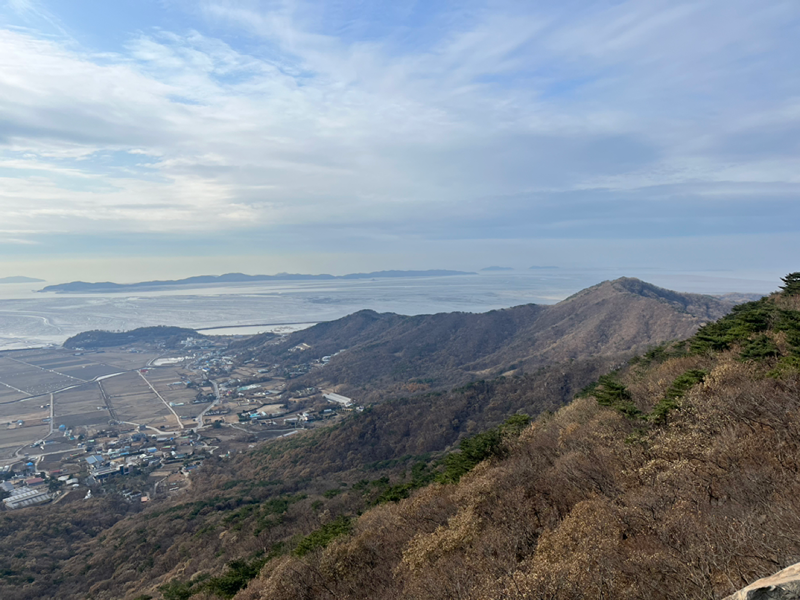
675, 477
264, 499
386, 351
290, 509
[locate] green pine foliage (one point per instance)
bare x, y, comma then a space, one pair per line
752, 326
237, 576
791, 284
422, 474
476, 449
610, 392
323, 536
659, 354
676, 391
759, 348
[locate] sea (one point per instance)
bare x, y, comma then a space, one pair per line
30, 319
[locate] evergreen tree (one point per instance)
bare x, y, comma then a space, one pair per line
791, 285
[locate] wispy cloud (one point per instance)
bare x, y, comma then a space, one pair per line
281, 114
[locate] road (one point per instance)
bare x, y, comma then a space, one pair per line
64, 389
22, 362
160, 397
111, 412
212, 405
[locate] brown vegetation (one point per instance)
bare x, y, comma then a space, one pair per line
674, 477
386, 352
597, 502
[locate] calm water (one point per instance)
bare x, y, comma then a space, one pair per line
30, 319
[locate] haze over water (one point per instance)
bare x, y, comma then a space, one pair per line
30, 319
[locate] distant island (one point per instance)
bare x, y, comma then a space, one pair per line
497, 269
20, 279
83, 287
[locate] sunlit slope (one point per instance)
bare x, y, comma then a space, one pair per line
676, 477
386, 351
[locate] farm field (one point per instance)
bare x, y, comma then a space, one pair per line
133, 401
169, 382
29, 411
12, 439
28, 377
8, 395
124, 361
83, 405
31, 379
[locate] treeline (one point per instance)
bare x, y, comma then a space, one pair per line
94, 339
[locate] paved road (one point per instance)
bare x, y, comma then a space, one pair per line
160, 397
212, 405
111, 412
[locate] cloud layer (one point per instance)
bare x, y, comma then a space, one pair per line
475, 120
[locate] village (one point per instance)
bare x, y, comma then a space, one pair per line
139, 420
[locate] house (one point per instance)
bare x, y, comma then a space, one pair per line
94, 460
105, 472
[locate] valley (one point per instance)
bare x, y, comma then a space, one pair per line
253, 511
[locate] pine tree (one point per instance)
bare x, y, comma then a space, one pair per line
791, 285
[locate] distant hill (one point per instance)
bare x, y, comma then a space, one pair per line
83, 287
497, 269
168, 336
738, 298
388, 350
19, 279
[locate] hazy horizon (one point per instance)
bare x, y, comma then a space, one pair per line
147, 140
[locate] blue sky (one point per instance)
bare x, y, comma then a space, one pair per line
180, 137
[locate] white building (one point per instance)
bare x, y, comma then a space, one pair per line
26, 497
343, 400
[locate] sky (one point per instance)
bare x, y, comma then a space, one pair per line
167, 138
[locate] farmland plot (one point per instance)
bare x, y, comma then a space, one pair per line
83, 405
132, 401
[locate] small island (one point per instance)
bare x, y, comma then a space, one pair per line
20, 279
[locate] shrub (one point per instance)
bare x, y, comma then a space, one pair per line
323, 536
676, 391
610, 392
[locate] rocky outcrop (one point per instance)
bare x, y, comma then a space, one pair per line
783, 585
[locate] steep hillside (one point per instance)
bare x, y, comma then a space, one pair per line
676, 477
438, 495
266, 498
386, 351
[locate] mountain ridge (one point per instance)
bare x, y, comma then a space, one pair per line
385, 349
